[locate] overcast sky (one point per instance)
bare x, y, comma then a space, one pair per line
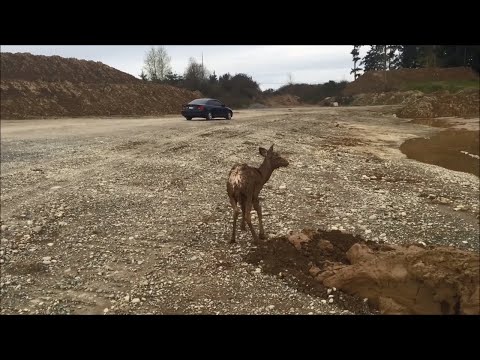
269, 65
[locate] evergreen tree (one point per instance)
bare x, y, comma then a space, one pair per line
356, 57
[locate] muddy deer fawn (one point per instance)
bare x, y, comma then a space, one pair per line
244, 185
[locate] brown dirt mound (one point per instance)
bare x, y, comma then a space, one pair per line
282, 100
26, 99
50, 86
395, 279
298, 257
464, 103
411, 280
374, 81
390, 98
28, 67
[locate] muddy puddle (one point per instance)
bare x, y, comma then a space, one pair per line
436, 122
452, 149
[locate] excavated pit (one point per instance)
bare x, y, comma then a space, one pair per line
395, 279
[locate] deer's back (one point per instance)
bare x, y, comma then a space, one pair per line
243, 180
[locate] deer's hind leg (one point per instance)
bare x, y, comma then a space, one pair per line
258, 209
248, 218
242, 224
236, 212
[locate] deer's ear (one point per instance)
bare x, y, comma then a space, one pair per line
263, 151
271, 148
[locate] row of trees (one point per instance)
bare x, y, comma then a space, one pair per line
311, 93
387, 57
237, 90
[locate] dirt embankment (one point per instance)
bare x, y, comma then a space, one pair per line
32, 99
370, 89
281, 100
464, 103
378, 81
415, 104
50, 86
395, 279
28, 67
388, 98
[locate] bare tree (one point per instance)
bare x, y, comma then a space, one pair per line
157, 63
195, 73
289, 78
143, 76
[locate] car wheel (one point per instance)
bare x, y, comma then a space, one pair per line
229, 116
209, 115
188, 118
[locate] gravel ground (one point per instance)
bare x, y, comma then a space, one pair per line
131, 216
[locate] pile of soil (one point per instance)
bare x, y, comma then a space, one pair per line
389, 98
411, 280
395, 279
417, 105
282, 100
51, 86
464, 103
257, 106
298, 257
38, 99
28, 67
374, 81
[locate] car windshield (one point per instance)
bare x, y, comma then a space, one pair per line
198, 102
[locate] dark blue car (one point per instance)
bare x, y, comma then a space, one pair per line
206, 108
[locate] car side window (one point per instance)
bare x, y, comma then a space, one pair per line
218, 103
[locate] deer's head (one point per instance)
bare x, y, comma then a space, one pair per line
275, 159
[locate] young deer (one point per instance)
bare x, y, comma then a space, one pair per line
244, 185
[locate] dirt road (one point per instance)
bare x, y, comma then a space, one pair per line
131, 215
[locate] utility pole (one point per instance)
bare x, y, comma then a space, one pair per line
203, 70
385, 65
